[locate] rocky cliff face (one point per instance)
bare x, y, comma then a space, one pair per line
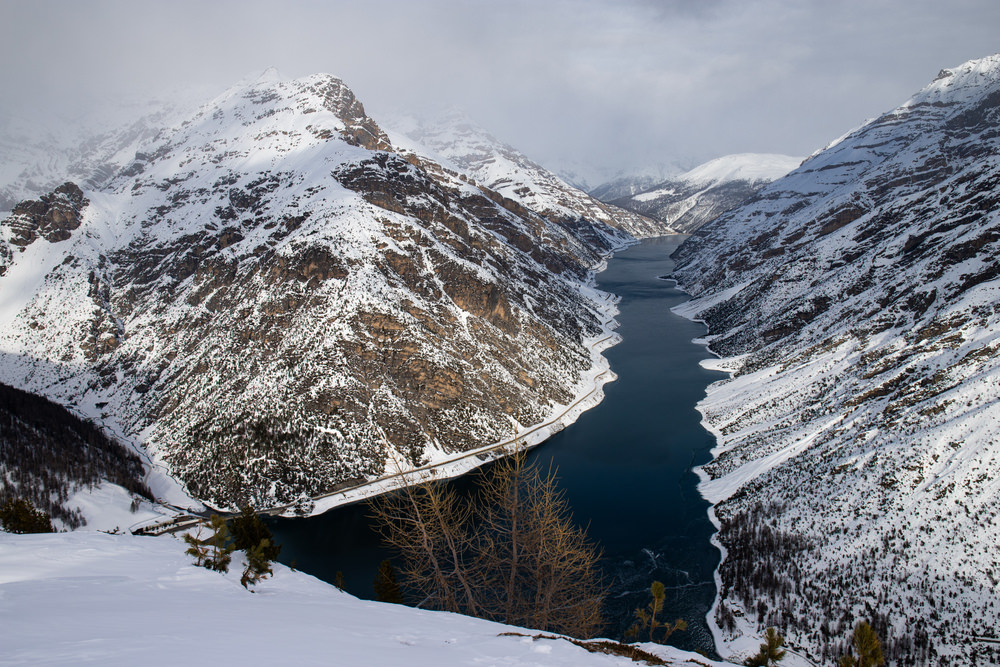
702, 194
275, 303
855, 302
53, 217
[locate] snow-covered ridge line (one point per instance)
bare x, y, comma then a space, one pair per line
751, 167
853, 303
457, 141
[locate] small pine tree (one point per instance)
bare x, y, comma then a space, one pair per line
249, 531
770, 653
258, 565
386, 588
20, 516
867, 648
197, 547
221, 548
646, 618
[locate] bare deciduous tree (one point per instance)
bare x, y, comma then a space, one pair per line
513, 554
530, 552
430, 528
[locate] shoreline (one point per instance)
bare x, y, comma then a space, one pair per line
712, 363
590, 394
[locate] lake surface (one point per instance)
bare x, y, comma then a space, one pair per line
625, 466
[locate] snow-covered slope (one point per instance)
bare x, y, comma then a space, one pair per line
457, 141
81, 598
608, 185
275, 302
696, 197
855, 302
87, 150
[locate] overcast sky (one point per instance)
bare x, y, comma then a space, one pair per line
611, 83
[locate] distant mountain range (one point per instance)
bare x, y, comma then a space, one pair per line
855, 303
691, 199
606, 184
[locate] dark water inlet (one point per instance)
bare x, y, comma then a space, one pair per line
625, 466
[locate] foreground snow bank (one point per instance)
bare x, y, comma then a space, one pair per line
72, 598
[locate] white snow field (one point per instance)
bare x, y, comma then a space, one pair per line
92, 598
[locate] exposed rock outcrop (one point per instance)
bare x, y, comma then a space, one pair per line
52, 217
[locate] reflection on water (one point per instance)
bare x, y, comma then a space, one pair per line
625, 466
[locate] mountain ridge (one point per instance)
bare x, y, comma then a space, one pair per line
457, 140
274, 302
695, 197
853, 303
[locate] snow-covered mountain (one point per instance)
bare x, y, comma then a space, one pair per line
695, 197
609, 184
275, 302
855, 304
458, 142
627, 185
87, 150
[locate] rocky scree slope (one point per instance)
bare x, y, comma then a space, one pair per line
458, 142
696, 197
275, 303
857, 303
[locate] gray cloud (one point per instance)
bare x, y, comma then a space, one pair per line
607, 82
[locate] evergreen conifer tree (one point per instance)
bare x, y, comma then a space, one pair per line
221, 548
20, 516
249, 531
646, 618
867, 648
386, 588
770, 653
197, 547
258, 565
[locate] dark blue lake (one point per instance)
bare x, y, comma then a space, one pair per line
625, 465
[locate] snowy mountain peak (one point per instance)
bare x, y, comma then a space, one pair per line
960, 83
951, 88
749, 167
274, 303
268, 76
